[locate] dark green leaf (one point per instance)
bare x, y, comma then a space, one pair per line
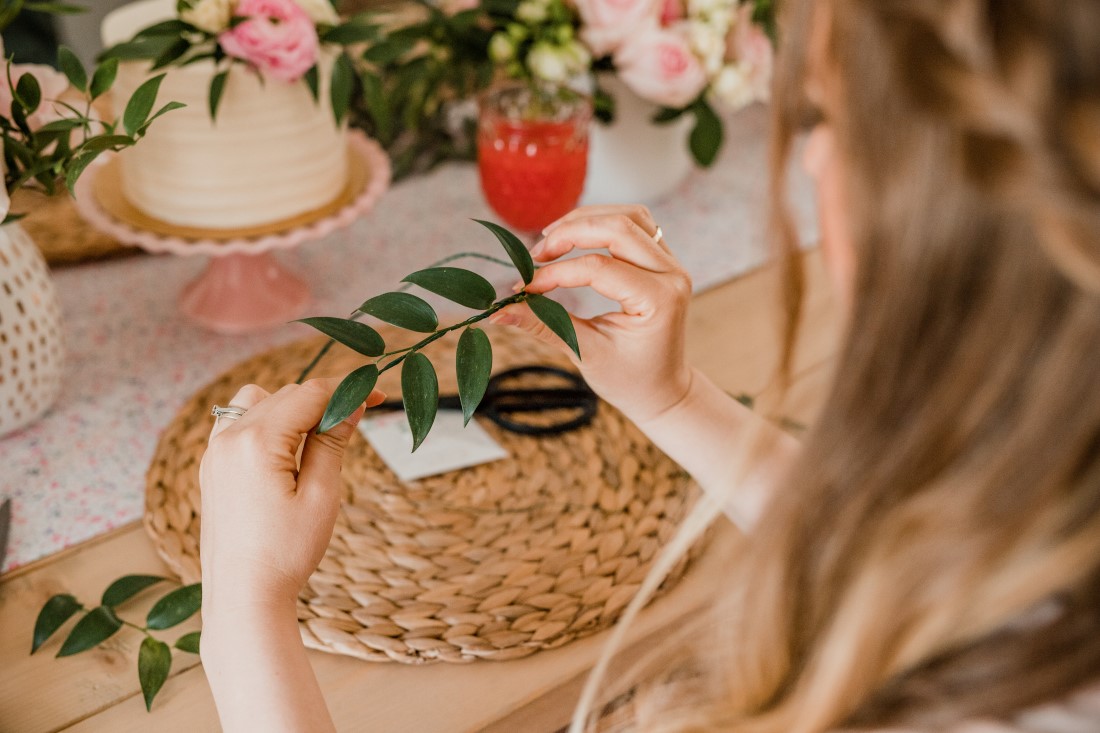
56, 612
377, 106
142, 48
171, 28
668, 114
556, 319
217, 88
72, 68
341, 87
176, 607
402, 310
420, 393
388, 51
127, 587
99, 143
55, 8
95, 628
154, 663
178, 48
706, 136
456, 284
189, 642
103, 78
28, 93
521, 258
354, 31
313, 82
349, 395
163, 110
473, 365
353, 334
141, 104
76, 168
66, 124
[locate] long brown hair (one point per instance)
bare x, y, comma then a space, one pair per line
935, 553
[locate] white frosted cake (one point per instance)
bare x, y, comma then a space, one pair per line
272, 154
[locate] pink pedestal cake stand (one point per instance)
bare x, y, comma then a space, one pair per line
244, 288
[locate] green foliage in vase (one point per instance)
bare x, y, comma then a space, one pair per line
97, 624
474, 358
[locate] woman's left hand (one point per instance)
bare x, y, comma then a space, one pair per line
266, 519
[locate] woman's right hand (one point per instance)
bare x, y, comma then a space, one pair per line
635, 358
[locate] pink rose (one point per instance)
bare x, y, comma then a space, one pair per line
750, 46
606, 24
657, 63
278, 38
672, 11
52, 83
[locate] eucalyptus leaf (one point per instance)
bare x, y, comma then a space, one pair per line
77, 167
354, 31
175, 608
402, 310
53, 615
141, 104
706, 136
217, 88
103, 78
556, 319
66, 124
456, 284
127, 587
420, 393
165, 28
141, 48
28, 93
349, 395
95, 628
312, 78
189, 642
72, 68
169, 107
99, 143
341, 86
178, 48
516, 250
473, 366
154, 663
353, 334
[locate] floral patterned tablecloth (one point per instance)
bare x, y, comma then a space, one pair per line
133, 359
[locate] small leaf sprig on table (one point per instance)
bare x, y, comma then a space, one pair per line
474, 359
99, 624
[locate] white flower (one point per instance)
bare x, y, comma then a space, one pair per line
734, 87
579, 57
320, 12
703, 7
548, 63
211, 16
708, 45
501, 48
532, 11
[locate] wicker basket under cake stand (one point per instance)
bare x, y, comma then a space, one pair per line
244, 288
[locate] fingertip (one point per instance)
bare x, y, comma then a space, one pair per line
354, 418
376, 398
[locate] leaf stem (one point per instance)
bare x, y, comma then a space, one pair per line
503, 303
356, 314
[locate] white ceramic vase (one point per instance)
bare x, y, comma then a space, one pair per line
633, 160
31, 352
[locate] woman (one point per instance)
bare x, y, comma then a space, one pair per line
930, 556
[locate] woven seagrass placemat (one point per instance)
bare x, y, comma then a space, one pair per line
60, 232
492, 562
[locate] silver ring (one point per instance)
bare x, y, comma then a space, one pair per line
659, 235
233, 412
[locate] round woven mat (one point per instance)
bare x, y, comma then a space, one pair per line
60, 232
495, 562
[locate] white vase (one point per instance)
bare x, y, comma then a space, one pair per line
633, 160
31, 352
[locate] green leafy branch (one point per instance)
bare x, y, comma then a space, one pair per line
100, 623
474, 358
49, 153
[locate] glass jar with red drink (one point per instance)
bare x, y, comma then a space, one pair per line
532, 152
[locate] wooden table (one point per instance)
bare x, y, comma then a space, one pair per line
732, 336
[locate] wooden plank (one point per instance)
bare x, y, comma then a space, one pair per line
732, 336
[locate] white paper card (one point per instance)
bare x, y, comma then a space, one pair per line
448, 447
